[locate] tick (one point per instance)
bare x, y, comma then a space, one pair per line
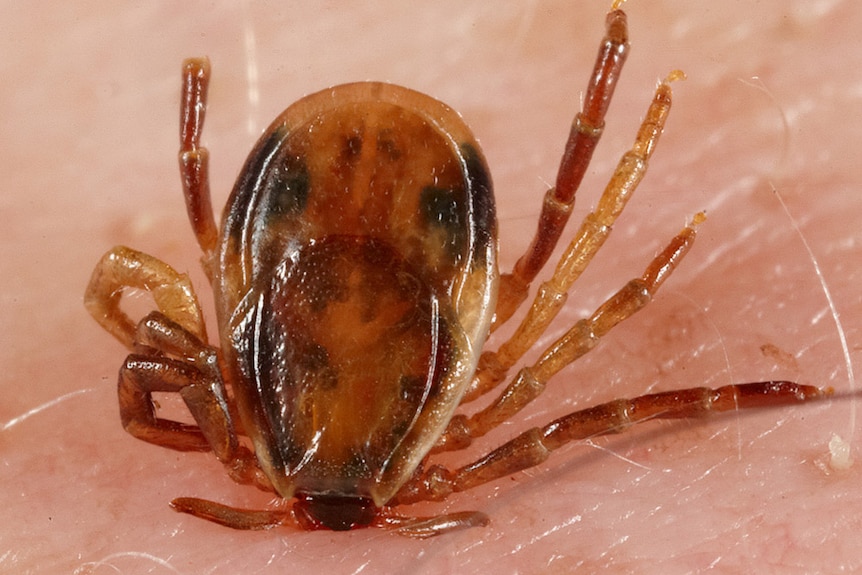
355, 281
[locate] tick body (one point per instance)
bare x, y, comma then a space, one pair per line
356, 276
356, 282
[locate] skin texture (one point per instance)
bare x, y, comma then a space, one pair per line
89, 140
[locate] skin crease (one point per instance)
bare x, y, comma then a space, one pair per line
89, 140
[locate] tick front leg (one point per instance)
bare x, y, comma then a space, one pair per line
194, 159
535, 445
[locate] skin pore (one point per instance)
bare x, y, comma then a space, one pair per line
90, 161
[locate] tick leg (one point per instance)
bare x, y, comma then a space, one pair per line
176, 361
245, 519
535, 445
171, 357
424, 527
123, 268
580, 339
252, 519
140, 376
594, 230
584, 136
194, 159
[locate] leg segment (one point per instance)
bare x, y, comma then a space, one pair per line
584, 136
194, 159
245, 519
172, 360
123, 268
140, 376
493, 366
424, 527
535, 445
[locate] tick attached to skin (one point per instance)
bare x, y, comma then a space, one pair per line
355, 280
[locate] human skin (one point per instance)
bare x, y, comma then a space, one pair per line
767, 119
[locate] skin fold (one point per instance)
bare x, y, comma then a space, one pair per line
763, 136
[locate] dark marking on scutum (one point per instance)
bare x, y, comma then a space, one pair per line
439, 208
313, 360
352, 147
387, 146
376, 252
247, 185
314, 357
410, 387
287, 187
481, 194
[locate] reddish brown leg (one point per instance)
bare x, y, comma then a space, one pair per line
584, 136
175, 361
246, 519
170, 356
535, 445
140, 376
194, 159
170, 351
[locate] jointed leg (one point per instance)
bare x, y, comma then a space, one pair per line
175, 361
194, 159
170, 356
535, 445
580, 339
584, 136
170, 350
493, 366
247, 519
122, 268
140, 376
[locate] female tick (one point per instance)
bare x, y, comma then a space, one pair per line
355, 280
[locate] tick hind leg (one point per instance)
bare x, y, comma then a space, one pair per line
535, 445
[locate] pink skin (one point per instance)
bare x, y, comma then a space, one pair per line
90, 121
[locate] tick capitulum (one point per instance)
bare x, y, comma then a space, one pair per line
355, 280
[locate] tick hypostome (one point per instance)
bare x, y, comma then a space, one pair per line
355, 280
